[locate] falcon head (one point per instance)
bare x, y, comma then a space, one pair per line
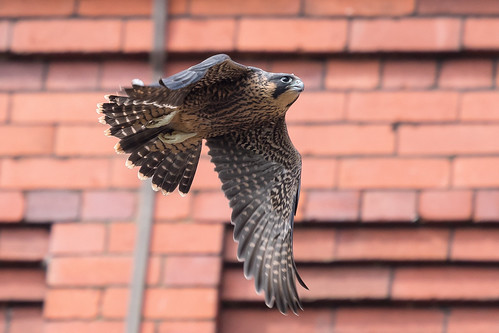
286, 88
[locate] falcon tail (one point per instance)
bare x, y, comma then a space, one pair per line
142, 126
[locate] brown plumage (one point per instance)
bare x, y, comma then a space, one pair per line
240, 112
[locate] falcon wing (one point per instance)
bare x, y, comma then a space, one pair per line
262, 187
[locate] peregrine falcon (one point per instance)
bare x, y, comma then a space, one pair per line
239, 110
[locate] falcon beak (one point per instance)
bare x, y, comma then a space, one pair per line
297, 85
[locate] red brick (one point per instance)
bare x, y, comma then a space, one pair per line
318, 173
121, 176
392, 244
89, 271
387, 320
71, 303
482, 34
28, 319
83, 141
332, 206
388, 206
114, 8
4, 35
206, 178
251, 7
154, 270
343, 139
115, 303
20, 75
448, 139
192, 303
262, 320
98, 205
12, 206
74, 238
394, 173
475, 73
35, 8
421, 106
26, 140
201, 326
480, 106
466, 7
4, 107
116, 74
72, 75
135, 30
121, 237
84, 326
211, 206
187, 238
311, 72
475, 172
190, 35
409, 74
486, 206
317, 107
173, 206
24, 244
469, 320
192, 271
22, 284
348, 74
291, 35
50, 108
359, 7
475, 245
412, 34
449, 283
44, 206
445, 205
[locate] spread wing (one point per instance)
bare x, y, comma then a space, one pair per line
262, 179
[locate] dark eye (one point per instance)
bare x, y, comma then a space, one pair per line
286, 79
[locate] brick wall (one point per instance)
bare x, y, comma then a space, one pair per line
398, 223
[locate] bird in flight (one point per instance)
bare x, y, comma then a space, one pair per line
239, 110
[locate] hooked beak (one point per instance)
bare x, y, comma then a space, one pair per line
297, 85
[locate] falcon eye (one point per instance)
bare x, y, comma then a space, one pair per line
286, 79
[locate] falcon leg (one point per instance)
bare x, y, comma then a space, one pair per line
175, 137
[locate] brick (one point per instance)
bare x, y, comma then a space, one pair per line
4, 107
116, 74
475, 172
291, 35
84, 326
22, 284
77, 238
359, 7
134, 40
89, 271
411, 34
24, 244
50, 108
474, 73
486, 206
392, 244
71, 303
12, 205
192, 271
101, 205
192, 303
211, 206
206, 178
121, 176
343, 139
260, 320
114, 8
420, 106
446, 283
481, 34
311, 72
72, 75
445, 205
202, 326
317, 107
121, 237
115, 303
35, 8
252, 7
83, 141
20, 75
448, 139
356, 74
154, 270
394, 173
44, 206
190, 35
486, 7
26, 140
480, 106
27, 319
475, 245
412, 74
388, 206
4, 35
187, 238
469, 320
75, 35
388, 320
332, 205
318, 173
